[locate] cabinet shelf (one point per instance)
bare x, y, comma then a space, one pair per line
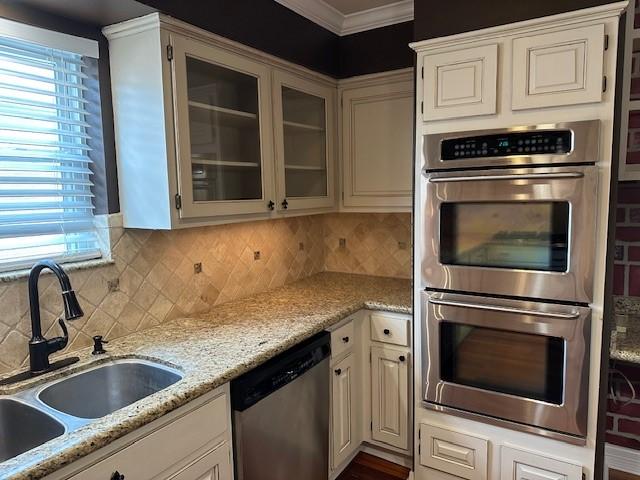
227, 111
303, 126
634, 105
305, 167
223, 163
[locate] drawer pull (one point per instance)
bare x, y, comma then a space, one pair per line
345, 339
402, 358
386, 331
116, 476
338, 371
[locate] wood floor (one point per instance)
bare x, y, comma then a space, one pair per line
616, 475
368, 467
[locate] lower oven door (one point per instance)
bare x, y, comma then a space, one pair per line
523, 362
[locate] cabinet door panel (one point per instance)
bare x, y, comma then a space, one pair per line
215, 465
304, 135
560, 68
343, 410
522, 465
377, 146
223, 129
390, 396
462, 83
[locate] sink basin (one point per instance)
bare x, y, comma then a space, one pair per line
107, 388
23, 427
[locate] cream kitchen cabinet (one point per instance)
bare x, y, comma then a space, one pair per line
304, 122
558, 68
519, 464
459, 83
344, 410
152, 452
377, 142
390, 396
196, 133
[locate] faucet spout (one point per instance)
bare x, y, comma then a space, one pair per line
39, 347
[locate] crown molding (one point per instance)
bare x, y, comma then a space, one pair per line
328, 17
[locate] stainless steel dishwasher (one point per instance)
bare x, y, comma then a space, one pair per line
281, 415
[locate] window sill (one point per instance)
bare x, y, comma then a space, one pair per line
68, 267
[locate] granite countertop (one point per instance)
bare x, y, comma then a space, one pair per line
625, 338
211, 350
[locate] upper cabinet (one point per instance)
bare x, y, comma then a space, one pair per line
304, 139
209, 131
223, 123
560, 68
377, 142
460, 83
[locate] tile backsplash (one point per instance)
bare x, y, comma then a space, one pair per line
162, 275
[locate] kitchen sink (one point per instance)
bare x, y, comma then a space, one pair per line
103, 390
23, 427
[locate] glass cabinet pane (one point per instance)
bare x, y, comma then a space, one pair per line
305, 144
224, 128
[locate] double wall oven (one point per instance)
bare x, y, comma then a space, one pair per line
507, 267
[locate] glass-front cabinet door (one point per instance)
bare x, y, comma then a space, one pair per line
304, 132
223, 129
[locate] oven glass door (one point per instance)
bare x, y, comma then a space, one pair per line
523, 362
520, 232
515, 363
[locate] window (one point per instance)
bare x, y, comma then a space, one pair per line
46, 200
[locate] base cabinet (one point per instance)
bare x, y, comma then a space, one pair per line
214, 465
522, 465
344, 408
390, 395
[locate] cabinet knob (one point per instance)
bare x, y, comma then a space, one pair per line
271, 205
345, 339
386, 331
338, 371
401, 358
285, 204
116, 476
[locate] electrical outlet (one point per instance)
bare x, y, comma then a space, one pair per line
197, 268
256, 255
342, 243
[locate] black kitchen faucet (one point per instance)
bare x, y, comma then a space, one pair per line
39, 347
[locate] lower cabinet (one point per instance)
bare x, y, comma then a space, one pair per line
344, 408
194, 445
522, 465
390, 396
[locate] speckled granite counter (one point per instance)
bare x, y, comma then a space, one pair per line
625, 338
211, 350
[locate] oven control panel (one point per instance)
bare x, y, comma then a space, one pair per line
532, 142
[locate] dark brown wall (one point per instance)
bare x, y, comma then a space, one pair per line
378, 50
435, 18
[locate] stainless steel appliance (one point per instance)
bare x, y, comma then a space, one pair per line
523, 232
281, 415
517, 361
507, 267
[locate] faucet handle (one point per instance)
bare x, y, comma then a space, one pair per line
98, 348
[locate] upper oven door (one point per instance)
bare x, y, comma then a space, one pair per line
518, 232
525, 362
548, 144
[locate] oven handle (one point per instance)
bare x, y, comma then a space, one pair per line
530, 176
497, 308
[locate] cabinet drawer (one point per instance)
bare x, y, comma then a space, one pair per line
165, 448
452, 452
389, 329
342, 339
522, 465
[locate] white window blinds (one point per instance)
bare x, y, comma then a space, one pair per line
46, 204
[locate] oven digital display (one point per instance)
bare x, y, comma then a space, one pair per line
536, 142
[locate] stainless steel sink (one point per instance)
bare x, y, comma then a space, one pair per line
103, 390
23, 427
